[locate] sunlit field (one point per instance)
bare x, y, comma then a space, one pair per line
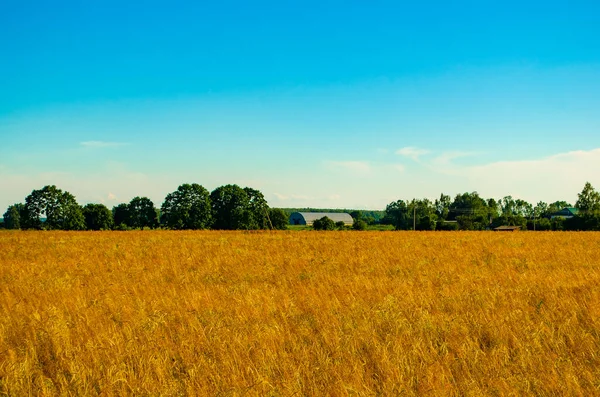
299, 313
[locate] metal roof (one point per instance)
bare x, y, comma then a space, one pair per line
567, 211
508, 228
310, 217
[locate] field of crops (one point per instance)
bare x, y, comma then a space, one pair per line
299, 313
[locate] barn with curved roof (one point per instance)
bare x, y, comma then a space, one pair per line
307, 218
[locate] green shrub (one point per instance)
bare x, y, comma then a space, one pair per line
324, 223
359, 224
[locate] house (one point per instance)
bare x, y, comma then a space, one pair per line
307, 218
507, 228
565, 213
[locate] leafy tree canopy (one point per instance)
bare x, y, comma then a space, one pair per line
279, 219
588, 200
257, 211
356, 214
442, 206
142, 213
121, 215
60, 209
396, 214
98, 217
12, 216
235, 208
188, 207
359, 224
324, 223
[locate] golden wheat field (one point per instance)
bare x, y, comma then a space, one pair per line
299, 313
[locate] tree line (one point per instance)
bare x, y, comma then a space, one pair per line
190, 207
469, 211
231, 207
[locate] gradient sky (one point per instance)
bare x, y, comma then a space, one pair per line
316, 103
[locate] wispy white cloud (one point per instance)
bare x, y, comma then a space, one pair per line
412, 152
447, 157
445, 161
280, 196
109, 184
101, 144
397, 168
549, 178
560, 167
555, 177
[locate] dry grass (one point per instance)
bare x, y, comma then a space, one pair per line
306, 313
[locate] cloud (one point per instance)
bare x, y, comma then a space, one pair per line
280, 196
444, 162
447, 157
101, 144
358, 167
412, 152
548, 178
122, 183
559, 167
398, 167
559, 176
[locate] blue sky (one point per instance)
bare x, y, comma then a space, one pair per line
321, 104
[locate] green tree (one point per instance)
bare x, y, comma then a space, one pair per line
324, 223
59, 208
493, 208
229, 205
12, 216
235, 208
279, 218
588, 200
121, 216
588, 217
356, 215
257, 211
369, 220
524, 209
142, 213
442, 206
508, 206
422, 215
471, 212
98, 217
187, 208
514, 213
541, 210
587, 221
543, 224
396, 213
359, 224
557, 206
510, 220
